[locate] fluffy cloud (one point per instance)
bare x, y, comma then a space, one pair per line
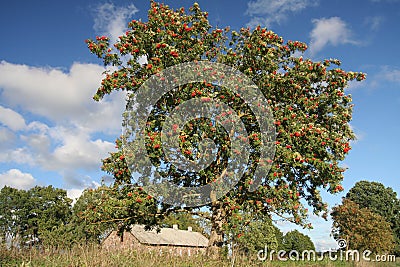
58, 95
7, 138
11, 119
75, 149
112, 20
17, 179
267, 12
62, 129
65, 139
329, 31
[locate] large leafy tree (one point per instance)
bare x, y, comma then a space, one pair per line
380, 200
255, 234
307, 98
294, 240
361, 228
49, 207
13, 216
32, 214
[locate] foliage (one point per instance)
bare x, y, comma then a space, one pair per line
255, 235
294, 240
361, 228
279, 238
380, 200
12, 215
184, 220
29, 216
308, 101
106, 208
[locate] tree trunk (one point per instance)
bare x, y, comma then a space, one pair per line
218, 217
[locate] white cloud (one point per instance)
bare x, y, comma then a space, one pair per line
79, 180
392, 75
387, 75
112, 20
20, 155
62, 97
267, 12
56, 95
72, 136
374, 23
74, 194
329, 31
7, 138
17, 179
64, 129
11, 119
77, 149
74, 150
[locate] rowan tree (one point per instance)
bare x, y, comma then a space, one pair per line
310, 108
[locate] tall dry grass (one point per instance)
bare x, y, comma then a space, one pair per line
94, 256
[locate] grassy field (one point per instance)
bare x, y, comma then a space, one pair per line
93, 256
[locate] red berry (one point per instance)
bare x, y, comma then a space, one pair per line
174, 54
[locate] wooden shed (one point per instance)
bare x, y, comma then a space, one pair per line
168, 240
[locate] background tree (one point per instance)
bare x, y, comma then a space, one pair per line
309, 105
31, 215
361, 228
49, 208
184, 220
294, 240
380, 200
254, 235
279, 238
12, 214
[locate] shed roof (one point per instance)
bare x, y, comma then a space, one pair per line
169, 237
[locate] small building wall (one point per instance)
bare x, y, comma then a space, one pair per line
174, 250
114, 242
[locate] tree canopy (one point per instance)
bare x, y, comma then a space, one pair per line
294, 240
28, 216
380, 200
255, 234
361, 228
310, 108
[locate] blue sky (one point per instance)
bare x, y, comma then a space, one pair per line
52, 132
